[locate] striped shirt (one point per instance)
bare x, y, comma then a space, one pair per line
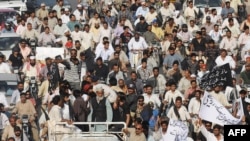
72, 74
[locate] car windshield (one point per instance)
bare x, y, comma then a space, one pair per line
7, 43
210, 3
7, 16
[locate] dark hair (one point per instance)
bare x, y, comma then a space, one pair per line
144, 60
178, 98
192, 81
243, 92
140, 97
156, 68
56, 100
77, 93
175, 62
113, 81
217, 127
164, 122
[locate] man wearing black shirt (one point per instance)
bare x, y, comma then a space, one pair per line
199, 42
16, 58
101, 70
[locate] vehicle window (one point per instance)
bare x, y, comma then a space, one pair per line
211, 3
7, 43
7, 16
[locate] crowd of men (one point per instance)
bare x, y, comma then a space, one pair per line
138, 62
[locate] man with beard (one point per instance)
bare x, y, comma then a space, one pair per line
72, 74
95, 30
136, 82
171, 58
116, 73
101, 110
60, 28
31, 69
136, 45
21, 27
245, 75
18, 134
122, 56
16, 94
9, 129
101, 70
220, 97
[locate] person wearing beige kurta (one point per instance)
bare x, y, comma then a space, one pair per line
8, 131
234, 4
42, 12
25, 107
220, 97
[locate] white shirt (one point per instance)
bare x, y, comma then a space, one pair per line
65, 112
184, 115
77, 36
228, 59
100, 47
189, 12
55, 114
105, 53
59, 30
228, 44
226, 23
215, 35
65, 18
4, 68
243, 38
153, 98
208, 135
149, 17
5, 120
87, 40
140, 45
194, 106
105, 33
170, 95
3, 99
80, 16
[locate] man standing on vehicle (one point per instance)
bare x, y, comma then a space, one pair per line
101, 110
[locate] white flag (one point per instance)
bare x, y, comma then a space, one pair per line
177, 130
213, 111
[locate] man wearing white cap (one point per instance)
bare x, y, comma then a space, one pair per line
143, 9
31, 69
65, 16
80, 13
166, 10
42, 12
101, 110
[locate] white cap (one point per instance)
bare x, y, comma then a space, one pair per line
79, 5
164, 2
110, 3
143, 2
43, 4
176, 13
58, 40
227, 1
98, 89
193, 75
32, 57
66, 9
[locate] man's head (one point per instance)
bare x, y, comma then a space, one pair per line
23, 97
99, 61
116, 68
156, 71
99, 92
198, 94
178, 102
131, 88
149, 89
138, 129
216, 130
247, 66
133, 75
171, 50
243, 93
164, 126
17, 131
20, 86
73, 53
23, 43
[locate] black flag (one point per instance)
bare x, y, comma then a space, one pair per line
220, 75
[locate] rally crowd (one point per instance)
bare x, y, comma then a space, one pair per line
138, 62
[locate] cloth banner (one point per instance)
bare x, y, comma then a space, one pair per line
177, 130
213, 111
220, 75
44, 52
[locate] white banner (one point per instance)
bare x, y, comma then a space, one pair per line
177, 131
44, 52
213, 111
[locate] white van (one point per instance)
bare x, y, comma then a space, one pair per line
18, 5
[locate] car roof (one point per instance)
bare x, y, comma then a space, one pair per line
9, 35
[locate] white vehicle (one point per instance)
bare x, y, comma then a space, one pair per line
7, 42
91, 135
212, 4
18, 5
